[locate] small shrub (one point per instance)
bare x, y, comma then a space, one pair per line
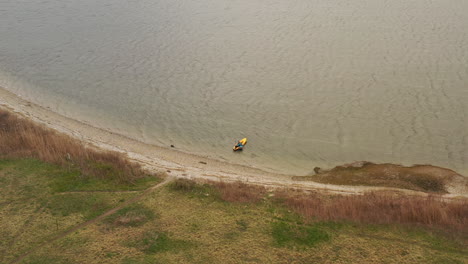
183, 185
242, 225
231, 236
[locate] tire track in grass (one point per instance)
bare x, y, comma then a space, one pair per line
20, 231
94, 220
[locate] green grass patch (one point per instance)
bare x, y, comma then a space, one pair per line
86, 204
70, 179
73, 180
194, 189
444, 260
24, 166
242, 225
46, 260
155, 242
134, 215
435, 239
287, 234
231, 235
144, 260
23, 180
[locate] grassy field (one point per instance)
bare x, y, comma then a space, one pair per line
186, 222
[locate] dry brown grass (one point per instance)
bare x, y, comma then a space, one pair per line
21, 138
381, 208
240, 192
237, 192
370, 208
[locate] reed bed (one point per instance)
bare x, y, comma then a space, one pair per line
369, 208
22, 138
240, 192
382, 208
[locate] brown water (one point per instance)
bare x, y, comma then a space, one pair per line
309, 82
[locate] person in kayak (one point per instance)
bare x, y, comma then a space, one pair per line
239, 145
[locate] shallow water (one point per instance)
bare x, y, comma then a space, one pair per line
310, 83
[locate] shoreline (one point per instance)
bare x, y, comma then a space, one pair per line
174, 162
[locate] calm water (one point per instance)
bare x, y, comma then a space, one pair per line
309, 82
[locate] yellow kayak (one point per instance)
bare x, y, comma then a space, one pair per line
240, 144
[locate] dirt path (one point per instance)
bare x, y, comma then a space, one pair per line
19, 232
94, 220
176, 163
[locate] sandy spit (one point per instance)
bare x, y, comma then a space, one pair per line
174, 162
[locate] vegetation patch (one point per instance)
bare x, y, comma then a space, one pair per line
194, 189
287, 234
240, 192
237, 192
134, 215
434, 239
381, 208
183, 185
30, 174
35, 212
22, 138
419, 177
146, 260
88, 205
155, 242
74, 181
46, 260
242, 225
23, 179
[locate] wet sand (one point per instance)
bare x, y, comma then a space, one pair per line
176, 163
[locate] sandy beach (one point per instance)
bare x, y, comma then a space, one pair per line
175, 162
